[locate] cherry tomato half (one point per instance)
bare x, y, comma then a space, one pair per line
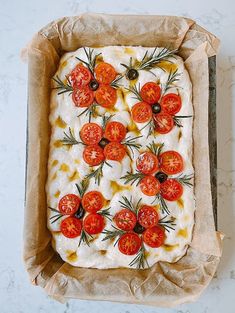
150, 92
93, 155
106, 96
69, 204
163, 123
115, 131
150, 185
171, 162
125, 219
83, 97
114, 151
71, 227
154, 237
147, 163
171, 189
92, 201
80, 76
105, 73
147, 216
141, 112
129, 243
171, 103
93, 223
91, 133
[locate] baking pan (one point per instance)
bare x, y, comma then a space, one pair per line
165, 284
213, 135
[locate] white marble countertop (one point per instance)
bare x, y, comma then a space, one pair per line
19, 20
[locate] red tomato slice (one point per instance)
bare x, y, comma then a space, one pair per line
154, 237
141, 112
106, 96
125, 219
129, 243
93, 155
69, 204
163, 123
92, 201
150, 185
150, 93
105, 73
80, 76
71, 227
115, 131
148, 216
114, 151
171, 162
91, 133
171, 103
171, 189
83, 97
147, 163
93, 223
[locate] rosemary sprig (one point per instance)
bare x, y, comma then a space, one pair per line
98, 173
153, 60
140, 260
136, 91
115, 82
168, 224
106, 213
185, 180
133, 178
177, 119
149, 61
54, 210
91, 59
130, 66
173, 77
151, 126
61, 87
155, 148
82, 188
128, 204
84, 238
106, 119
131, 143
69, 139
162, 203
55, 217
90, 111
112, 234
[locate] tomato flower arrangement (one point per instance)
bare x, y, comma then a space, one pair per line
154, 174
90, 83
156, 108
85, 214
113, 141
111, 145
135, 227
106, 146
102, 144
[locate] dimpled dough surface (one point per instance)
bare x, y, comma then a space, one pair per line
66, 166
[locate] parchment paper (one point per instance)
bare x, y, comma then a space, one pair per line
164, 284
